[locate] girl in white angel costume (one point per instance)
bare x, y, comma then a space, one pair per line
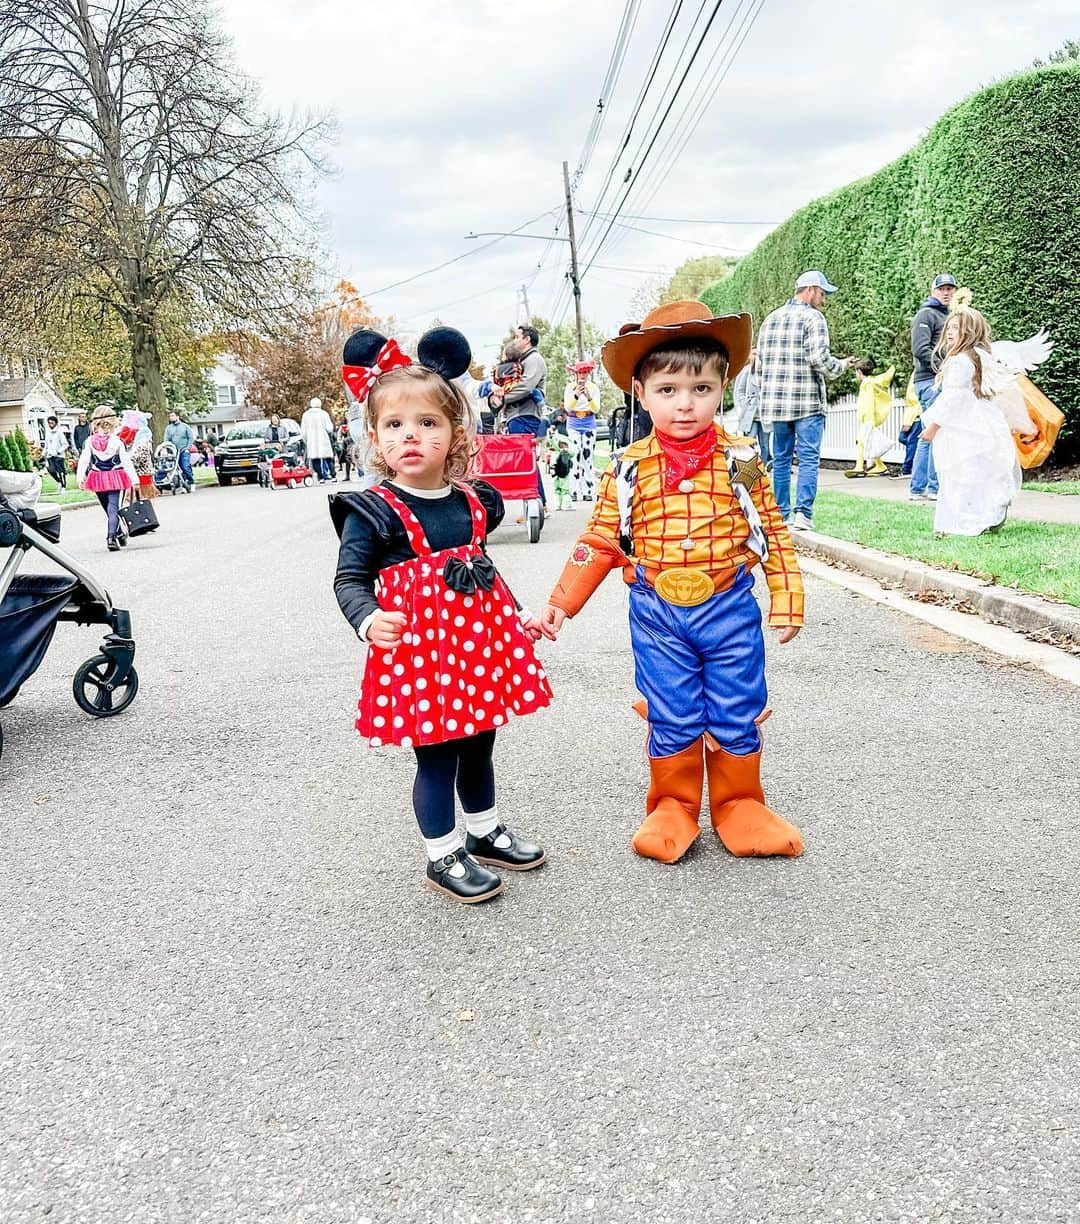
972, 422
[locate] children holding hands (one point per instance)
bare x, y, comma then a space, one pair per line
685, 513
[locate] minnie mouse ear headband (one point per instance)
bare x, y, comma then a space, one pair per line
688, 320
581, 367
368, 355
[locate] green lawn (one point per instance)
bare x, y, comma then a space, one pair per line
1042, 558
1067, 488
50, 489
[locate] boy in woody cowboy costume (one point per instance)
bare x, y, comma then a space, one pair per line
687, 513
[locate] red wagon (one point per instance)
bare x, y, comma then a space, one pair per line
285, 472
508, 463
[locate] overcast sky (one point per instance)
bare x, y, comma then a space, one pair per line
456, 117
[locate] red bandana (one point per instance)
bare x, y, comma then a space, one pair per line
684, 458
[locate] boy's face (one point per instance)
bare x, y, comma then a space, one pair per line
681, 403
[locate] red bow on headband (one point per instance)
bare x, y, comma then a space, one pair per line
360, 379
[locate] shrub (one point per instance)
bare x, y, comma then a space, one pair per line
21, 452
990, 194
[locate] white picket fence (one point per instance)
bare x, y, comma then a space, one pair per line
841, 430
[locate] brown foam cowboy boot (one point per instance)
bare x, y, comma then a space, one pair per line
673, 803
737, 806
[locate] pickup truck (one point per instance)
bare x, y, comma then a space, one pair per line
237, 457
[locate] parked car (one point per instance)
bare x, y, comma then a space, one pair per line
237, 456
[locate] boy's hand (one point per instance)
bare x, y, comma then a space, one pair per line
535, 629
386, 629
788, 634
551, 621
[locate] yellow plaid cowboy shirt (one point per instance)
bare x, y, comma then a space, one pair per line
707, 515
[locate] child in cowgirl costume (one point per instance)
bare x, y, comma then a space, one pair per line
450, 655
687, 513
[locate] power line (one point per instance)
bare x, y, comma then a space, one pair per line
681, 220
639, 102
676, 238
607, 89
641, 163
446, 263
698, 105
700, 101
432, 310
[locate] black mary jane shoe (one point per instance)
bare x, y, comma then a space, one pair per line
121, 539
473, 884
112, 545
519, 855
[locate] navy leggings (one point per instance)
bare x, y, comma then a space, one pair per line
466, 762
110, 503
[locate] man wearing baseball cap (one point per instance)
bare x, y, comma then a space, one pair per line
926, 329
793, 364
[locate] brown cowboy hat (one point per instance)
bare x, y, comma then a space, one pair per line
687, 320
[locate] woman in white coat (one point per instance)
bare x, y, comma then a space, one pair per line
317, 430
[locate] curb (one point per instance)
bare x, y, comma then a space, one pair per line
1001, 605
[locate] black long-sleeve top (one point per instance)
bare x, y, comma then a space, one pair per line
373, 537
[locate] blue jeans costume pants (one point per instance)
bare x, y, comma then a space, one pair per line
526, 424
804, 437
700, 669
184, 458
923, 473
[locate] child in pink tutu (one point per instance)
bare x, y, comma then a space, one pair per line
106, 469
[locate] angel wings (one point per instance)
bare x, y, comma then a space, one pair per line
1007, 359
1023, 355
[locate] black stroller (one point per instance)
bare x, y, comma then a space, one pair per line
31, 605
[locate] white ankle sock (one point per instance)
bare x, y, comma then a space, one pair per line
440, 847
480, 824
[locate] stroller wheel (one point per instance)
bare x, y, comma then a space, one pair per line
95, 692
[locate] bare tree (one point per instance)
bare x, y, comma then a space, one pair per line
145, 173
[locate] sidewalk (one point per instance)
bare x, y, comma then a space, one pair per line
1030, 506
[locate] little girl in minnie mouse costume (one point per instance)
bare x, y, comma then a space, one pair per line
450, 654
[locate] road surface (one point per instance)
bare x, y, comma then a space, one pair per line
226, 996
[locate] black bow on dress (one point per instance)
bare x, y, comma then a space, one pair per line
465, 576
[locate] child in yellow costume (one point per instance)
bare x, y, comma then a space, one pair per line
875, 404
686, 514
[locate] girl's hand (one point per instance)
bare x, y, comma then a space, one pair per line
386, 629
789, 634
551, 621
535, 629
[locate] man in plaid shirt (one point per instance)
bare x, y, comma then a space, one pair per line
792, 365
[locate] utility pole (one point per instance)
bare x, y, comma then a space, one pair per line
573, 262
525, 299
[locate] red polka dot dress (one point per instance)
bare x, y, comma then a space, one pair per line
464, 664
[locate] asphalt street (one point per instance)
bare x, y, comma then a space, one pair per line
225, 995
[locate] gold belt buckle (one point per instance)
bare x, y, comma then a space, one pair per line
685, 588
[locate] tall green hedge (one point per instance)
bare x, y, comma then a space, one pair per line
990, 194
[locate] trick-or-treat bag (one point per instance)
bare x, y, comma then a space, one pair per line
1048, 420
